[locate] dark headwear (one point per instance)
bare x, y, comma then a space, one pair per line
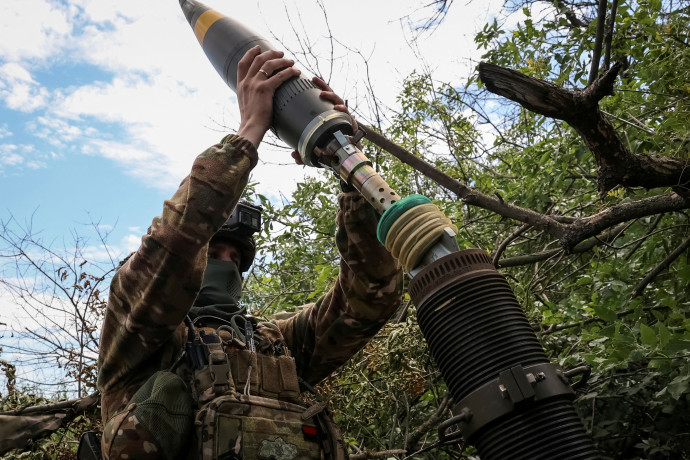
238, 230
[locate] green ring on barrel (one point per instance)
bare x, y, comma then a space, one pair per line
396, 210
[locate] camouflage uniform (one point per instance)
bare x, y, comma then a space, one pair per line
151, 293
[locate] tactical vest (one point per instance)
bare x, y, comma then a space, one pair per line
233, 397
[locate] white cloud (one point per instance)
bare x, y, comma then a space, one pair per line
11, 159
21, 155
5, 131
161, 117
10, 156
59, 132
31, 29
168, 99
99, 11
14, 72
99, 254
25, 97
19, 90
131, 243
36, 164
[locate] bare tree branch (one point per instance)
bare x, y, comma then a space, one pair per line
569, 235
467, 194
77, 404
560, 327
381, 454
661, 267
504, 244
641, 240
610, 26
414, 437
595, 224
598, 41
617, 165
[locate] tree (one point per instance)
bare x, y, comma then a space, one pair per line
61, 296
57, 294
581, 196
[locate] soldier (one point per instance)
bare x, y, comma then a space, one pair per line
183, 371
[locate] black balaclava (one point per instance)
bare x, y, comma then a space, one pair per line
219, 296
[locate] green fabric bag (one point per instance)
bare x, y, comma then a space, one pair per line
158, 422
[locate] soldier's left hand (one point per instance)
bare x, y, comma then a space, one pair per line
258, 76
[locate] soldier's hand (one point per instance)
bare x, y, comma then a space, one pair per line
338, 104
258, 76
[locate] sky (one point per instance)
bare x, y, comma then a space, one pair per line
104, 105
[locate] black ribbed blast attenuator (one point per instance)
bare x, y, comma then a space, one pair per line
547, 431
476, 329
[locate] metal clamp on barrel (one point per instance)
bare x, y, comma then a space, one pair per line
513, 388
322, 125
354, 168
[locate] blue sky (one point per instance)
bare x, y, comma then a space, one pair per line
104, 105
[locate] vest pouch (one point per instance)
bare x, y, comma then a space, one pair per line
157, 422
271, 376
251, 427
241, 361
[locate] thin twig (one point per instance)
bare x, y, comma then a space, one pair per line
554, 328
502, 247
598, 43
610, 25
414, 437
661, 267
642, 240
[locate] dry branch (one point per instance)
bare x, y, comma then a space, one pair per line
580, 109
467, 194
561, 327
599, 41
661, 267
584, 246
570, 234
381, 454
504, 244
416, 435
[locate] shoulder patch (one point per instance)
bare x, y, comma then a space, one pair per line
277, 449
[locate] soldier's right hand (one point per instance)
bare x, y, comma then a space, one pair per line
258, 76
338, 104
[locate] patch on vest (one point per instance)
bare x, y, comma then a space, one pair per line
277, 450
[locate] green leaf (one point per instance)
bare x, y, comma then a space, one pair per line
678, 386
605, 313
677, 345
584, 280
664, 335
648, 336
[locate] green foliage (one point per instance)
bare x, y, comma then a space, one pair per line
431, 124
297, 260
60, 444
582, 304
387, 391
635, 403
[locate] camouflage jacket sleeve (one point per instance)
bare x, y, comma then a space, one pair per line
153, 291
367, 291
